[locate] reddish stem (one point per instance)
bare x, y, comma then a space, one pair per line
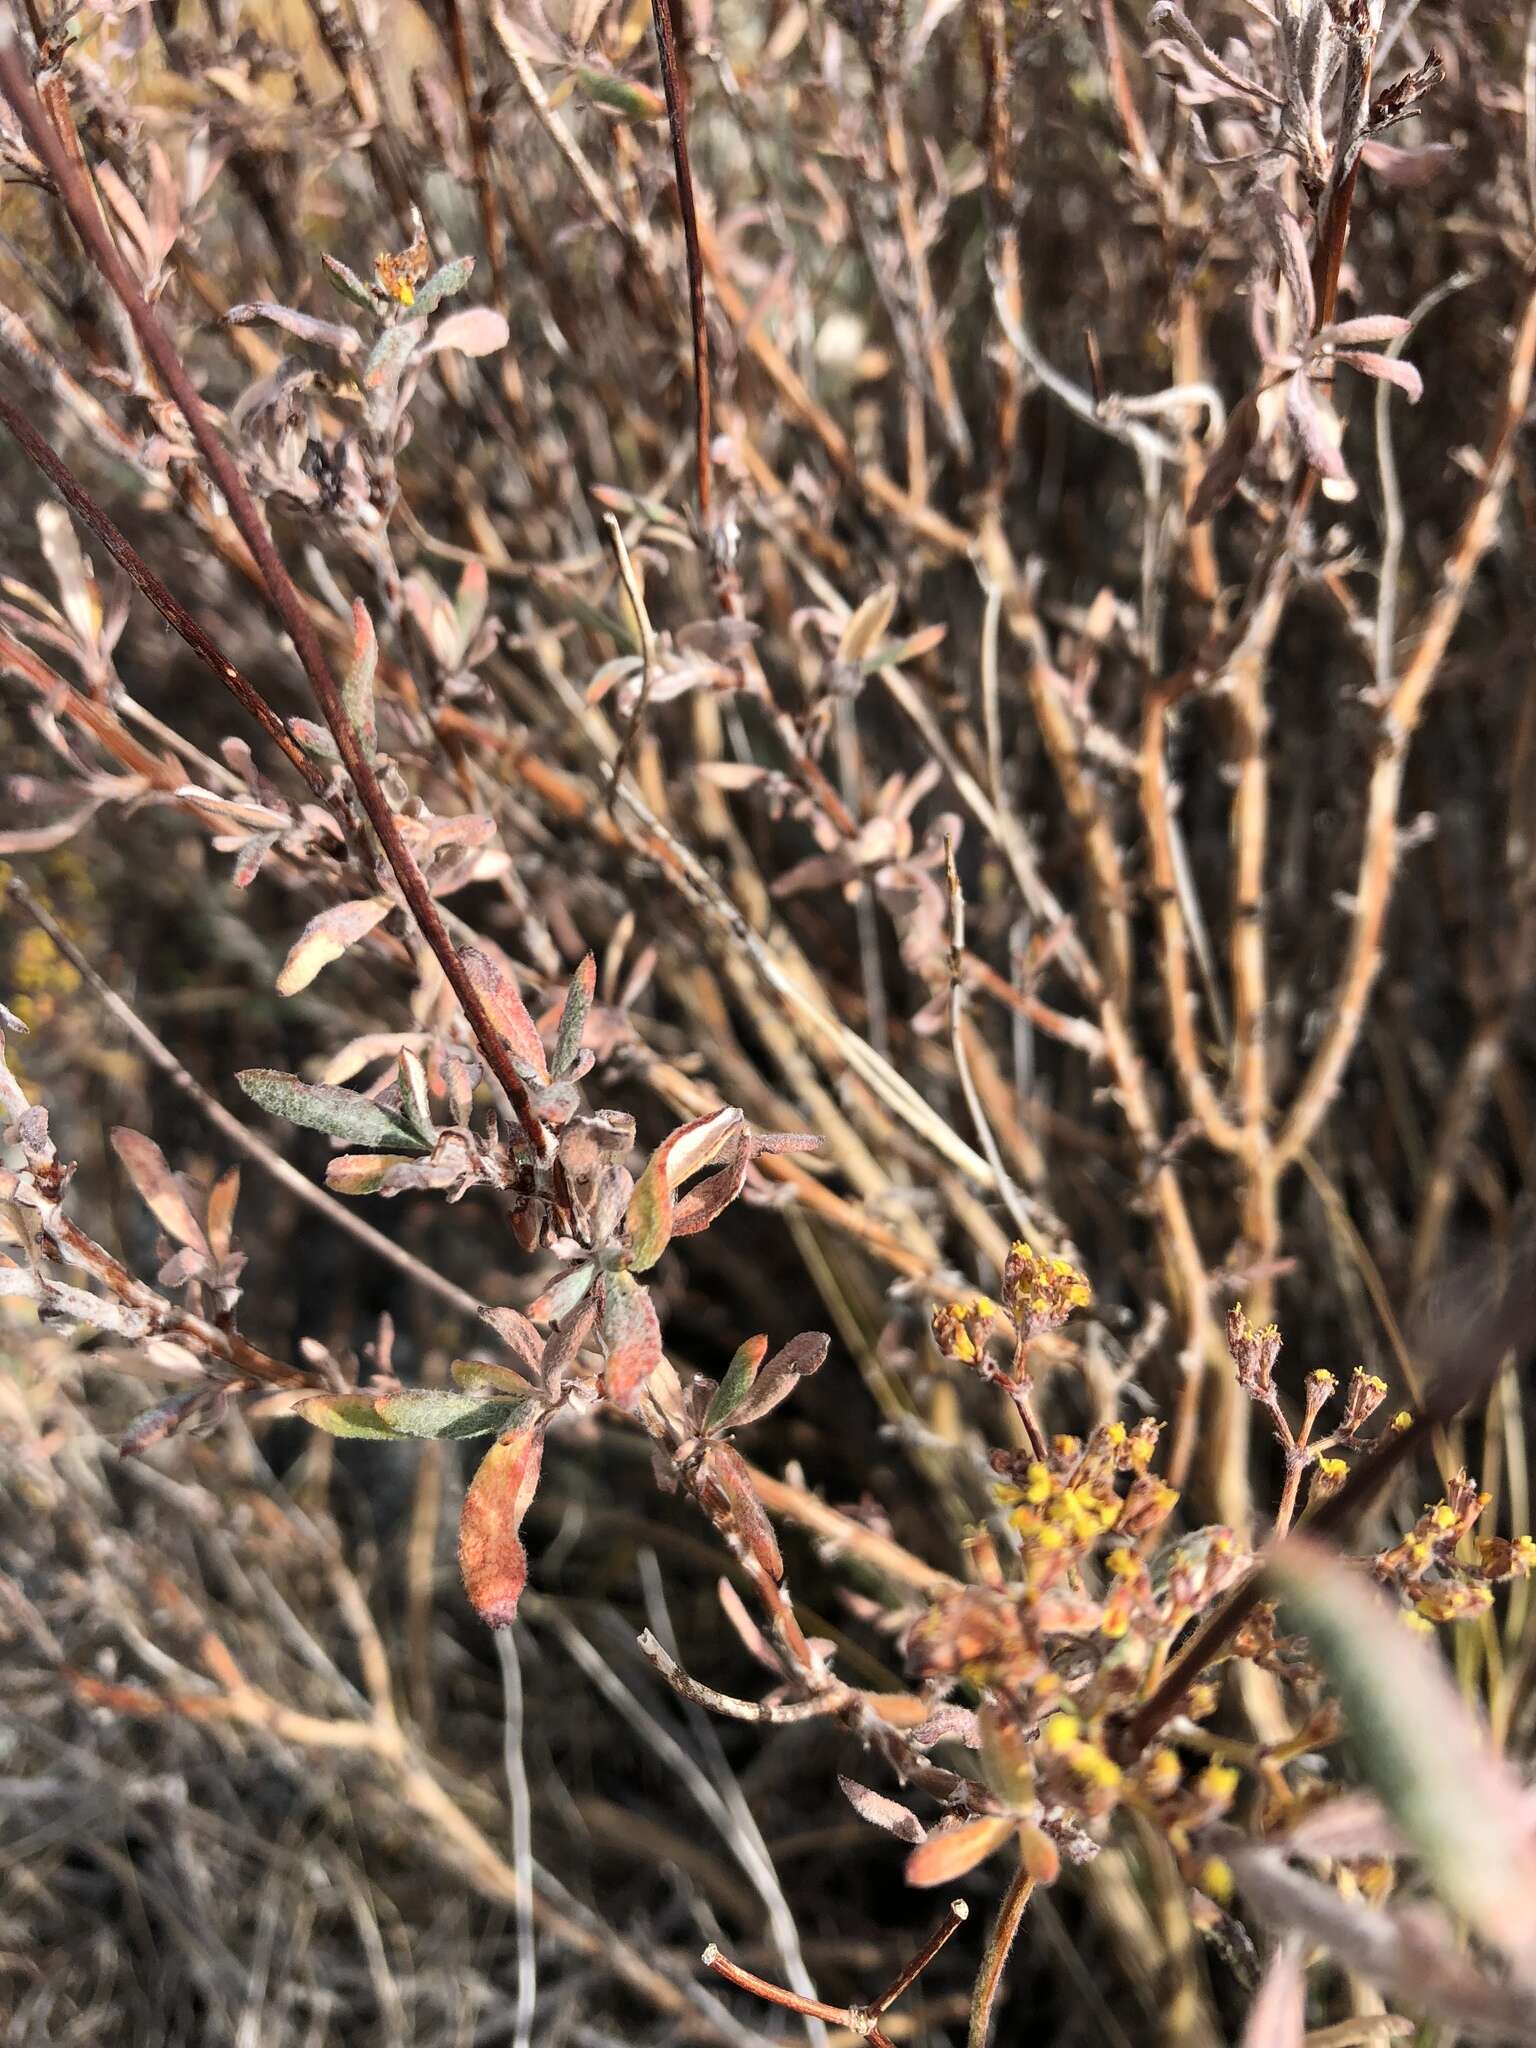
175, 614
672, 85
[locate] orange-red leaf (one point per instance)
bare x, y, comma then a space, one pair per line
953, 1851
491, 1553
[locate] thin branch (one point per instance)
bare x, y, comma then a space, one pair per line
285, 598
255, 1148
999, 1943
175, 614
677, 121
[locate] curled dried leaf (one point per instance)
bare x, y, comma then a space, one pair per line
881, 1812
326, 937
158, 1188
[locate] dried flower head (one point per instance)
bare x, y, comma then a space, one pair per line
1040, 1293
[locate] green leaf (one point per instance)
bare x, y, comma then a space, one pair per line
478, 1375
621, 95
390, 353
793, 1362
573, 1018
338, 1112
562, 1297
345, 1415
442, 284
1459, 1806
417, 1412
434, 1412
349, 284
733, 1389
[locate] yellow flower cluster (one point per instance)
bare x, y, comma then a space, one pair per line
1040, 1293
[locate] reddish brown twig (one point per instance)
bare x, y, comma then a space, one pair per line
175, 614
862, 2020
677, 121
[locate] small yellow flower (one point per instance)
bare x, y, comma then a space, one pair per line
1216, 1879
1332, 1469
1219, 1782
1060, 1732
1091, 1763
1161, 1773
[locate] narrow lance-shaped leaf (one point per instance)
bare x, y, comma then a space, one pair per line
153, 1425
951, 1852
1413, 1958
357, 684
349, 284
865, 627
470, 601
430, 1412
1386, 369
727, 1471
631, 1338
390, 354
621, 95
558, 1301
573, 1018
491, 1554
509, 1014
344, 340
346, 1415
1290, 247
697, 1209
338, 1112
795, 1361
1364, 332
1229, 458
435, 1413
689, 1148
1457, 1804
740, 1374
1278, 2016
415, 1100
158, 1188
358, 1173
1312, 432
442, 284
881, 1812
517, 1333
479, 1376
326, 937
